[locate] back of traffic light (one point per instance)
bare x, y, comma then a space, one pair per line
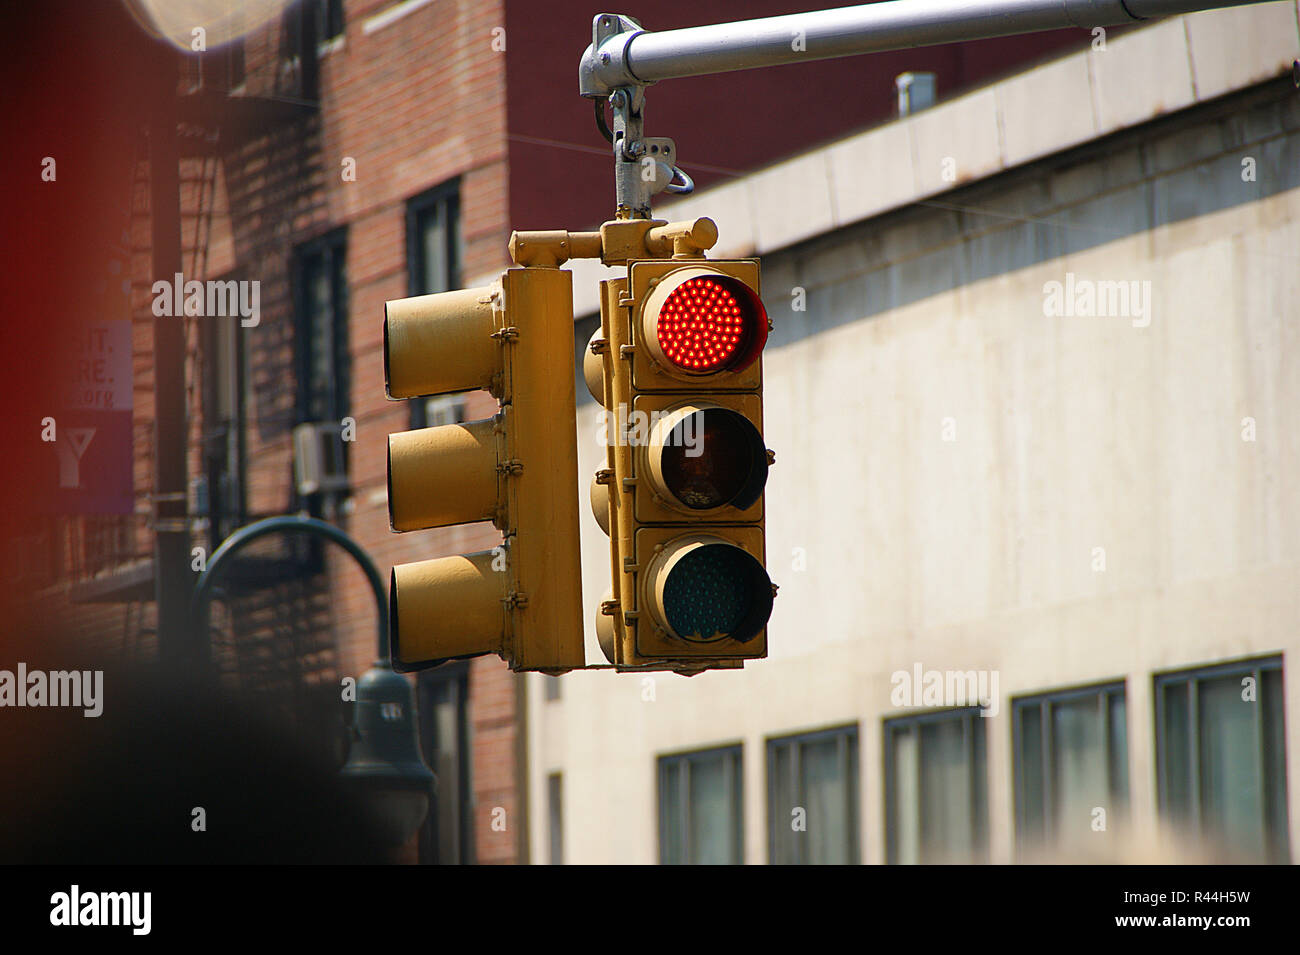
677, 366
518, 469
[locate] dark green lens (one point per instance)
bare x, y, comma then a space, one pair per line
710, 592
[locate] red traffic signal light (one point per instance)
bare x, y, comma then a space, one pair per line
697, 321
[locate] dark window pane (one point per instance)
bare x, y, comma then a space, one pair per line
700, 805
555, 814
1176, 751
812, 785
979, 788
448, 761
1222, 757
905, 798
434, 254
672, 813
444, 733
1072, 754
1270, 702
320, 343
936, 799
945, 792
322, 331
784, 848
237, 64
1231, 797
1079, 767
710, 832
827, 803
434, 249
1118, 751
1031, 773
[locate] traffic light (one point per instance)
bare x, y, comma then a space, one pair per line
677, 366
518, 469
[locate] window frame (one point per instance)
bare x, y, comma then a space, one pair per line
734, 768
850, 737
916, 720
332, 20
555, 818
1044, 701
333, 247
223, 343
1191, 678
455, 674
447, 195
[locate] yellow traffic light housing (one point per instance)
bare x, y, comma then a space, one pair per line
677, 366
518, 470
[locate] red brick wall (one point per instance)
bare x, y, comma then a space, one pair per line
415, 104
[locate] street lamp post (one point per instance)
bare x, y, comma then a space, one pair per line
384, 761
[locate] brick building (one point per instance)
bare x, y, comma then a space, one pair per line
345, 154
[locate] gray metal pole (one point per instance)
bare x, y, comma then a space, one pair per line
632, 57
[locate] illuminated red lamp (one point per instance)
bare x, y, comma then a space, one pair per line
700, 322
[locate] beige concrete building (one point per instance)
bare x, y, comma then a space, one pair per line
1034, 397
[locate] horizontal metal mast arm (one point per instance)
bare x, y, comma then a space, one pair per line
638, 58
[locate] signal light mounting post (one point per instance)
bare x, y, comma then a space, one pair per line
623, 59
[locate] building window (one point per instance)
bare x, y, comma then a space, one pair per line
439, 410
237, 68
1221, 756
936, 788
321, 310
329, 14
433, 256
223, 483
448, 834
318, 20
701, 808
812, 798
1071, 753
555, 813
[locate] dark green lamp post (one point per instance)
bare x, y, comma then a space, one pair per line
384, 762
